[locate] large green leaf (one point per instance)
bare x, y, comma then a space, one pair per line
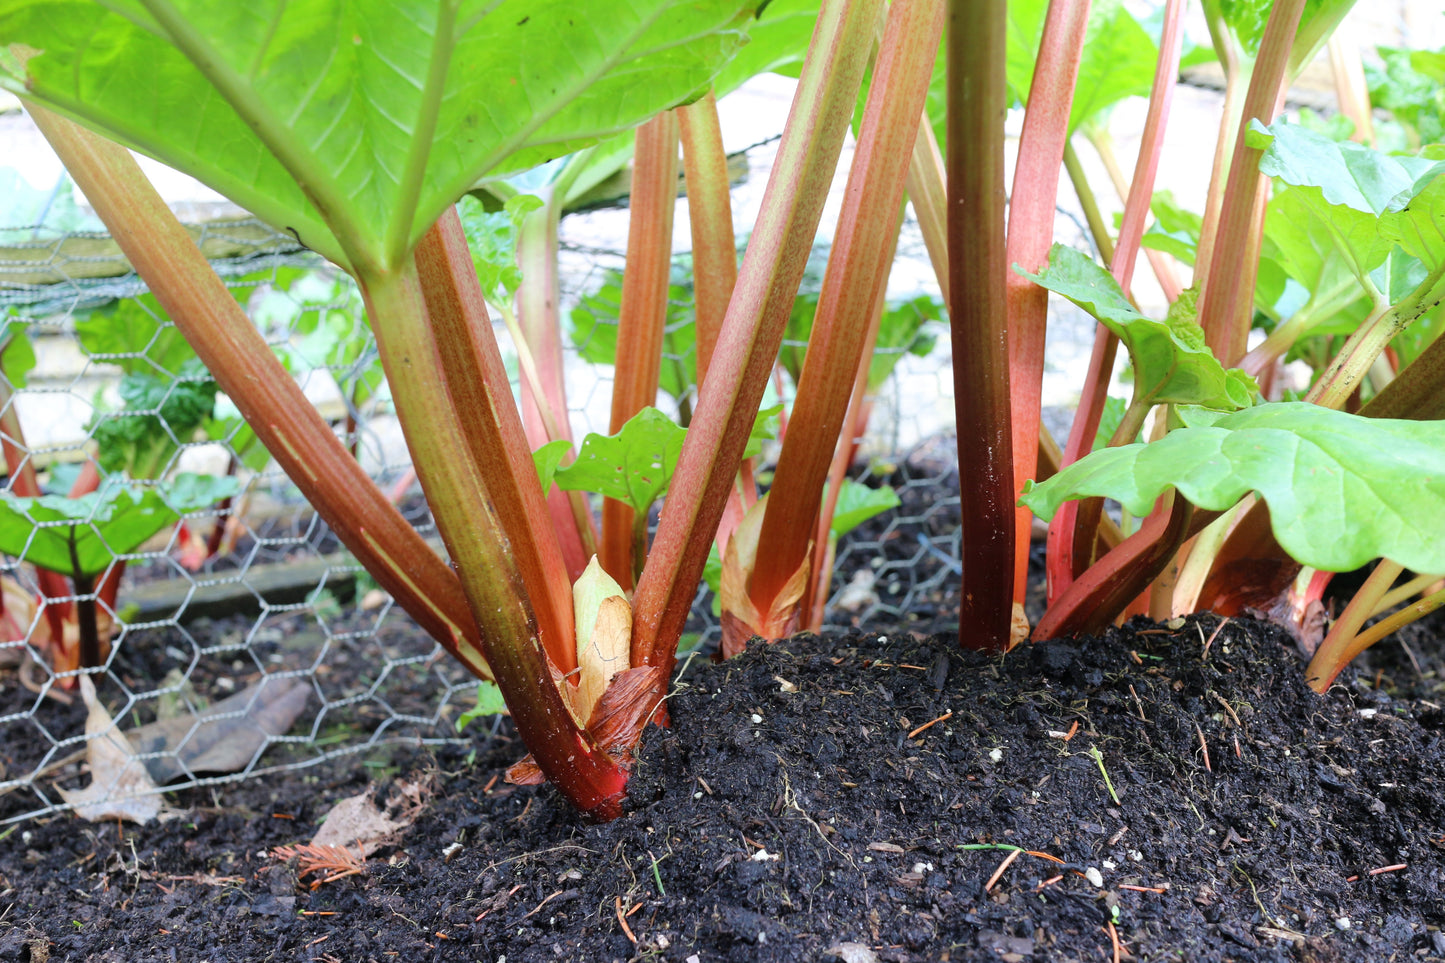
1172, 364
1411, 85
1362, 201
354, 124
1243, 23
1341, 489
777, 40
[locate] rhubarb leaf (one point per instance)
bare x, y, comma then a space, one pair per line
489, 703
765, 429
81, 536
594, 329
1175, 230
1341, 489
1411, 86
548, 459
632, 466
492, 239
777, 42
1243, 22
353, 126
1172, 364
1364, 201
857, 503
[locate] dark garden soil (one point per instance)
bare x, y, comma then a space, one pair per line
850, 798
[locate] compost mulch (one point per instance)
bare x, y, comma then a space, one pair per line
859, 797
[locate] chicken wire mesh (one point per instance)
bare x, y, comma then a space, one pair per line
245, 641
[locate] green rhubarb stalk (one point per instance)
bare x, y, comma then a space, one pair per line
853, 285
929, 196
642, 315
537, 301
1030, 234
978, 100
710, 214
429, 404
752, 332
491, 431
269, 399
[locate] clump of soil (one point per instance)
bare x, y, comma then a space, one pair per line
1178, 790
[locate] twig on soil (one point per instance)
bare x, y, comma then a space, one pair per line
1227, 708
1138, 702
1007, 861
1143, 889
1114, 939
538, 908
1208, 768
947, 715
1204, 654
622, 921
1383, 869
790, 800
1098, 757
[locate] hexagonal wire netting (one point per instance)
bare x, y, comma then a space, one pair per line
246, 640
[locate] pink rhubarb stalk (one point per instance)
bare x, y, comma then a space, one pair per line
642, 316
1030, 232
537, 301
1228, 290
714, 259
853, 285
1073, 530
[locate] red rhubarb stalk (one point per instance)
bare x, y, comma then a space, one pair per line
421, 361
978, 101
481, 397
1030, 232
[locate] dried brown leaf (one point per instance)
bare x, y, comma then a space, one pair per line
120, 787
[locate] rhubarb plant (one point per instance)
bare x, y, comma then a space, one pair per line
360, 141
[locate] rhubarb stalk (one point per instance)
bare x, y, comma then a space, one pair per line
978, 101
